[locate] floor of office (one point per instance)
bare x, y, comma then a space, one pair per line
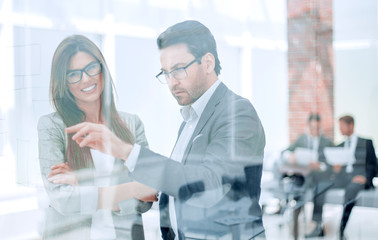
362, 225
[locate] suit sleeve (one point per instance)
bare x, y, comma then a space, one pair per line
65, 199
233, 139
298, 143
371, 162
131, 206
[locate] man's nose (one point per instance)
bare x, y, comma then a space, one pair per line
172, 81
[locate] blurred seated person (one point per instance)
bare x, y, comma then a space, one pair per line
353, 177
306, 153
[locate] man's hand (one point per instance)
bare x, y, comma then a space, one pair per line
109, 197
99, 137
337, 168
314, 165
62, 174
359, 179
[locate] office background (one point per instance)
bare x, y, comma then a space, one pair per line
252, 45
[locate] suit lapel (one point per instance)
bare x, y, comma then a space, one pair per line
359, 142
206, 114
360, 150
322, 142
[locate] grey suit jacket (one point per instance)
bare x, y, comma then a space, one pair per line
67, 214
303, 142
228, 137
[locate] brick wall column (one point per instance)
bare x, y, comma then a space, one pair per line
310, 64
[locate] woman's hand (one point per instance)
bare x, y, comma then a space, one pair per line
62, 174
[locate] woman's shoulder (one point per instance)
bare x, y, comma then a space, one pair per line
136, 127
129, 118
50, 120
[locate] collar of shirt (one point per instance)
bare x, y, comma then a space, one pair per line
191, 112
313, 142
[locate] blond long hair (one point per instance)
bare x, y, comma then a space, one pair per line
65, 104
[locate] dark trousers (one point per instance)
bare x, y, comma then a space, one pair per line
341, 180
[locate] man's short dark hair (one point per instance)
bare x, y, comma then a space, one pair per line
195, 35
314, 117
347, 119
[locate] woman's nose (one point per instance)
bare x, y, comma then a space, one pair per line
85, 77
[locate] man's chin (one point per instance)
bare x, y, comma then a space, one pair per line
182, 102
185, 101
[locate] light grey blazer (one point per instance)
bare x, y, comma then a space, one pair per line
303, 142
228, 137
67, 216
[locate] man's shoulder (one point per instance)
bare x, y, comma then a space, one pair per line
363, 140
231, 94
325, 139
303, 137
229, 97
360, 138
300, 137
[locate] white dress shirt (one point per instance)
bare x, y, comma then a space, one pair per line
351, 143
313, 142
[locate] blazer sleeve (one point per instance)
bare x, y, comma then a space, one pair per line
371, 163
300, 142
232, 138
65, 199
136, 126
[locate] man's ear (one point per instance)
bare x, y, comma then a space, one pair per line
208, 61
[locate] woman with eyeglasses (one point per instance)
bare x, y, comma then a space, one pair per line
85, 192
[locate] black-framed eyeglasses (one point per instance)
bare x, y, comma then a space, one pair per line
178, 73
92, 69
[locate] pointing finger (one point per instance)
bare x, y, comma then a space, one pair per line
75, 128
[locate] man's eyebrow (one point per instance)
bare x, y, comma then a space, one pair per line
177, 65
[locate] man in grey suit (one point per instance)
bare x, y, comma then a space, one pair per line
313, 140
221, 137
